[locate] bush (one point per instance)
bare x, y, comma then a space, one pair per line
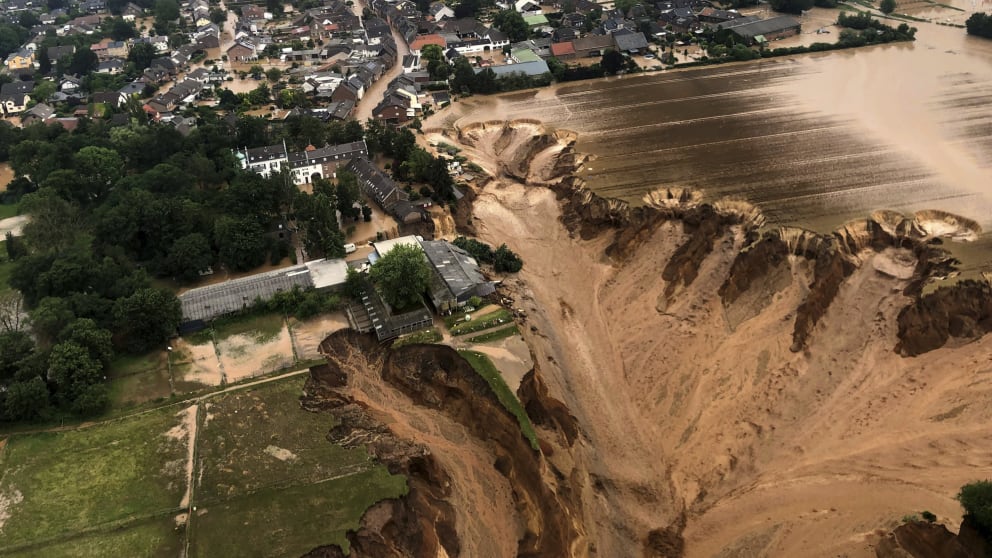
928, 516
980, 25
976, 499
475, 302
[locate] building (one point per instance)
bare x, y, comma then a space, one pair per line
372, 314
206, 303
631, 43
22, 59
380, 187
532, 68
304, 165
763, 30
242, 51
14, 96
456, 277
592, 45
563, 51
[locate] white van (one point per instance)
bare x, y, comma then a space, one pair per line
349, 248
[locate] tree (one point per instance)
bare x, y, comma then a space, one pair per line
402, 275
513, 24
71, 369
141, 56
26, 400
980, 25
96, 340
166, 11
347, 194
240, 243
506, 261
887, 6
83, 62
976, 499
51, 316
11, 311
121, 30
464, 75
147, 318
43, 91
273, 74
190, 255
98, 169
218, 16
15, 346
432, 52
791, 6
612, 61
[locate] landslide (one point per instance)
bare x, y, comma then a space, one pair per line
736, 387
440, 390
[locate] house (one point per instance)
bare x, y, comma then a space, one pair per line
394, 109
112, 66
132, 11
22, 59
592, 45
133, 89
117, 49
38, 113
381, 188
455, 276
14, 100
411, 63
304, 166
764, 30
242, 50
563, 51
527, 7
57, 53
710, 14
629, 42
70, 84
440, 11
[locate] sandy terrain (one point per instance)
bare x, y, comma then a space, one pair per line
308, 334
244, 356
196, 364
6, 176
758, 450
511, 357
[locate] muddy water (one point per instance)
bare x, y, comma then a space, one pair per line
815, 140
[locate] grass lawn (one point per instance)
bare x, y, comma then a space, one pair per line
260, 437
493, 319
154, 538
261, 327
71, 481
487, 370
291, 521
427, 336
495, 335
459, 316
9, 210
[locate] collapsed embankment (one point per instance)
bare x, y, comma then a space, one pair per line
445, 403
728, 377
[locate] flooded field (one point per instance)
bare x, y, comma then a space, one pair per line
815, 140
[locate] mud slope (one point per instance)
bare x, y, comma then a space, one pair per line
739, 390
477, 488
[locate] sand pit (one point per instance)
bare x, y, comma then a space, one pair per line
247, 355
308, 334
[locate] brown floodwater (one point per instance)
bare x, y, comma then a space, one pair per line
814, 140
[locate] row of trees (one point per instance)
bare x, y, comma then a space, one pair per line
502, 259
411, 162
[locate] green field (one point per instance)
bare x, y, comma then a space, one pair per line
9, 210
291, 521
495, 335
427, 336
97, 479
156, 538
268, 473
490, 320
488, 370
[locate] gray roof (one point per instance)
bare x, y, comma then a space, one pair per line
206, 303
329, 153
630, 41
459, 271
751, 29
535, 68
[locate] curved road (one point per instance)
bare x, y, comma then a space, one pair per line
372, 97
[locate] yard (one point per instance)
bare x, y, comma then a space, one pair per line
488, 371
98, 482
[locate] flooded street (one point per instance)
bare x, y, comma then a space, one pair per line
814, 140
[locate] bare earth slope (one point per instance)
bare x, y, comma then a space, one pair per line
771, 416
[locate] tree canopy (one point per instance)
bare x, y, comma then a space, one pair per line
980, 25
976, 499
512, 23
402, 276
791, 6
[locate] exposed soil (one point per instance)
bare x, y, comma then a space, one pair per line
243, 356
308, 334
